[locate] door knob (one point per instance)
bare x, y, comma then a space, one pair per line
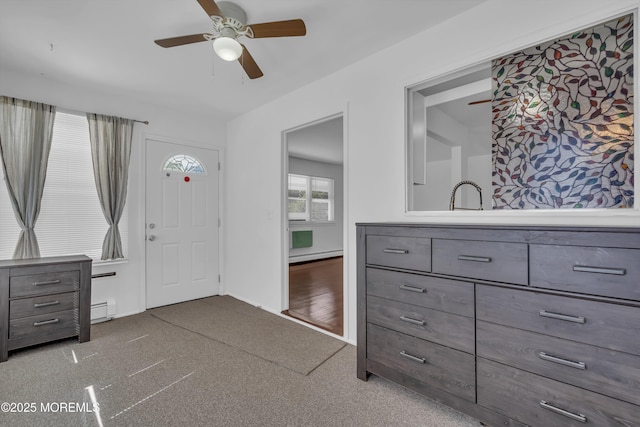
152, 238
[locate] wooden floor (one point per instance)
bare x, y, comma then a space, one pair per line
316, 293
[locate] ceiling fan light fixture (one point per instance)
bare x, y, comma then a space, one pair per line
227, 48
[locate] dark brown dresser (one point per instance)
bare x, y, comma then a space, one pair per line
513, 325
44, 299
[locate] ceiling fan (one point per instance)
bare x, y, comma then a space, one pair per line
229, 24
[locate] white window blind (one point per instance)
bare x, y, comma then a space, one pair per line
71, 220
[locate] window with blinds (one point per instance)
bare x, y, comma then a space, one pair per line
71, 220
310, 198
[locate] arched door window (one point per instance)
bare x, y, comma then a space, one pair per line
184, 163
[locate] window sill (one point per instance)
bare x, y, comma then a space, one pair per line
107, 263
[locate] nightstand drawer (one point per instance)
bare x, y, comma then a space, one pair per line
539, 401
42, 328
432, 325
612, 326
26, 307
443, 367
411, 253
43, 283
612, 373
589, 270
495, 261
451, 296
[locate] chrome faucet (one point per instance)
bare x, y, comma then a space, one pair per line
452, 201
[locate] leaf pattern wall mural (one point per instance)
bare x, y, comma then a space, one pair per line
562, 122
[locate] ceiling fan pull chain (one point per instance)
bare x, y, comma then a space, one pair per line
242, 74
213, 61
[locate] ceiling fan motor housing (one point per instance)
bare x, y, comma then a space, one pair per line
235, 15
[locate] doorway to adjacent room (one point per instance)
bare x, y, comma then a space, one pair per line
314, 192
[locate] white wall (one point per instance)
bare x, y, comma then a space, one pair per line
371, 94
128, 286
479, 171
436, 193
326, 237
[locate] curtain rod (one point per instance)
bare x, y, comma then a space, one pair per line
146, 122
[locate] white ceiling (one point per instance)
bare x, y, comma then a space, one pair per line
320, 142
109, 43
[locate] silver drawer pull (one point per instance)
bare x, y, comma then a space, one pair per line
578, 417
45, 304
600, 270
395, 251
46, 322
413, 321
565, 362
411, 357
473, 258
412, 288
48, 282
575, 319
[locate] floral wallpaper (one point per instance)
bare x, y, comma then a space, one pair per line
563, 122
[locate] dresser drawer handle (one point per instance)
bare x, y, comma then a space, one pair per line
413, 289
575, 319
577, 417
45, 304
565, 362
413, 321
48, 282
473, 258
600, 270
395, 251
46, 322
412, 358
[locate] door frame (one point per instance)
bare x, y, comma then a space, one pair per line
346, 332
142, 206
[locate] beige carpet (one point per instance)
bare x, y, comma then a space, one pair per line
253, 330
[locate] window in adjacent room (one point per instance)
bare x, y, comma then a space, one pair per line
310, 198
71, 219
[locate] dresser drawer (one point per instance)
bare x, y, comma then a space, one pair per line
496, 261
432, 325
540, 401
445, 368
589, 270
440, 294
42, 328
608, 372
43, 283
25, 307
612, 326
411, 253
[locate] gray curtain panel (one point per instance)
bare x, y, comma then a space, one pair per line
26, 128
111, 151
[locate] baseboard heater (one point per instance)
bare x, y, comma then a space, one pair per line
103, 311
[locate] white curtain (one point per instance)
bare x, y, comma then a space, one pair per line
26, 128
111, 151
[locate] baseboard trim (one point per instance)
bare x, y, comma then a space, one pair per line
315, 256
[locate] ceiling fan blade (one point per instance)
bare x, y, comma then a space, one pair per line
294, 27
482, 101
210, 7
179, 41
249, 64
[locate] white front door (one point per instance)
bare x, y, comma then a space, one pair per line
181, 223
